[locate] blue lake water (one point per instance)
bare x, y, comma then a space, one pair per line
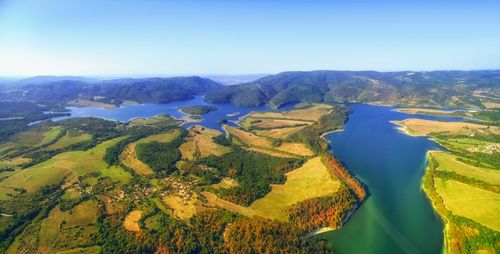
127, 112
396, 217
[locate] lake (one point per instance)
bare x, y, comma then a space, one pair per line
396, 217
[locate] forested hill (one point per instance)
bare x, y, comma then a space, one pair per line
436, 88
148, 90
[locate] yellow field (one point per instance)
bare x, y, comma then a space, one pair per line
68, 140
182, 209
264, 145
421, 127
448, 162
200, 143
225, 183
467, 201
74, 163
16, 161
248, 137
280, 133
313, 113
425, 111
491, 104
275, 123
295, 148
131, 221
309, 181
213, 200
129, 156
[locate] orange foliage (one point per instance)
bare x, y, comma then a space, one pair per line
341, 172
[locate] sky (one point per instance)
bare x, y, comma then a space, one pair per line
155, 37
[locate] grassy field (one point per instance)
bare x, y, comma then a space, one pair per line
313, 113
421, 127
470, 202
426, 111
264, 145
129, 156
471, 145
295, 148
448, 162
200, 144
157, 120
183, 209
309, 181
29, 139
74, 163
270, 123
248, 137
16, 161
280, 133
69, 139
89, 103
57, 221
131, 221
225, 183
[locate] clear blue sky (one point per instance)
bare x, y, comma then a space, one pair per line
153, 37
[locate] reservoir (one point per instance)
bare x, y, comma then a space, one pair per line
396, 217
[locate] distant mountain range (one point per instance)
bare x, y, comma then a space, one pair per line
457, 89
433, 89
147, 90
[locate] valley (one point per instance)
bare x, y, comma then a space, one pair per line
148, 178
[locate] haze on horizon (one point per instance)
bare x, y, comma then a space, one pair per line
69, 37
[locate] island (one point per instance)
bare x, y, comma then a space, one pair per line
197, 110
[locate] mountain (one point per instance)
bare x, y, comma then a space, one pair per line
148, 90
433, 89
235, 79
38, 80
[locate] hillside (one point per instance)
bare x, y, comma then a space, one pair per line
469, 89
89, 185
148, 90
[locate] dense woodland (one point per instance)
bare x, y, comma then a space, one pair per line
254, 172
438, 88
330, 211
